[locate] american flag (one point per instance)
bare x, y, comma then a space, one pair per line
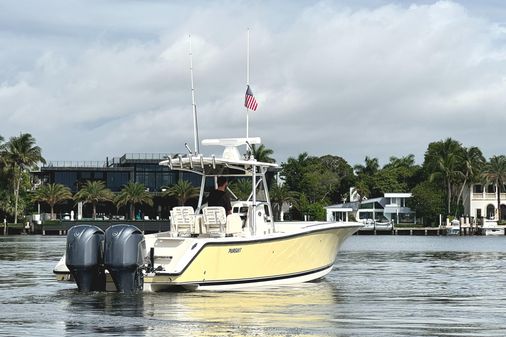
250, 101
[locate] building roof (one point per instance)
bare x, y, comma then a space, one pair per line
398, 195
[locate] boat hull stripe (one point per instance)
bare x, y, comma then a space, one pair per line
265, 279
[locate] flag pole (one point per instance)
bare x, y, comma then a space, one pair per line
194, 106
247, 84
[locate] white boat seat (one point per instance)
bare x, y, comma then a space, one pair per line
234, 224
183, 220
215, 219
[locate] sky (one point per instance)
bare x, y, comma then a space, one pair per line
100, 78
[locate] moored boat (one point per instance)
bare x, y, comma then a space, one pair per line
491, 228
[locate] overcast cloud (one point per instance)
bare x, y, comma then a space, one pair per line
90, 79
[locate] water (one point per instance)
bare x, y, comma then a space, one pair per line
380, 286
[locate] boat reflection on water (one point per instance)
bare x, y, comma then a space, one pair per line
303, 310
270, 312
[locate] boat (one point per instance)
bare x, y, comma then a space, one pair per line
490, 227
453, 228
381, 223
205, 249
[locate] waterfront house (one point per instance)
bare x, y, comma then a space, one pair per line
480, 202
390, 207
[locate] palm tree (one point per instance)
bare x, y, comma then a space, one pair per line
370, 168
473, 162
183, 190
94, 192
262, 154
133, 194
241, 188
443, 159
52, 194
495, 171
21, 153
280, 195
405, 161
362, 190
2, 154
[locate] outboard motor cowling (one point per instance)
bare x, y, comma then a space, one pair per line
125, 251
84, 257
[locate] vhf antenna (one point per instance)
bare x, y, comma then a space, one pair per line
194, 106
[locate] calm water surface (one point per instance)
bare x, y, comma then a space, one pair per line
380, 286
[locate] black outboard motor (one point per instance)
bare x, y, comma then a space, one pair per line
125, 251
84, 257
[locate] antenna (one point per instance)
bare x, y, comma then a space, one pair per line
188, 148
194, 106
247, 84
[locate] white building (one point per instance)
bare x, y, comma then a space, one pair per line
481, 202
390, 207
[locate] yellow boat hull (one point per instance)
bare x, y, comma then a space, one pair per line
233, 263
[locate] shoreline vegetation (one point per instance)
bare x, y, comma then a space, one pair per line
307, 183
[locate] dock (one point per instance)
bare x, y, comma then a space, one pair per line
422, 231
426, 231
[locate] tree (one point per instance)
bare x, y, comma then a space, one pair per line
319, 178
21, 154
365, 177
94, 192
133, 194
319, 183
428, 201
442, 160
294, 169
473, 162
495, 171
241, 188
183, 190
262, 154
370, 168
280, 194
313, 210
405, 171
344, 173
2, 145
52, 194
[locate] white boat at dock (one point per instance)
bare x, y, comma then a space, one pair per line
205, 248
491, 228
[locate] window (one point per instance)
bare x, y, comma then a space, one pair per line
490, 211
490, 188
86, 175
68, 179
116, 180
478, 188
167, 179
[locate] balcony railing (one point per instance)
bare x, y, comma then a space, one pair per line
491, 196
70, 163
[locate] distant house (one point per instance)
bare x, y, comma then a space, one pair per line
390, 207
481, 202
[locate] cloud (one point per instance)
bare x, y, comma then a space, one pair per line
350, 80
